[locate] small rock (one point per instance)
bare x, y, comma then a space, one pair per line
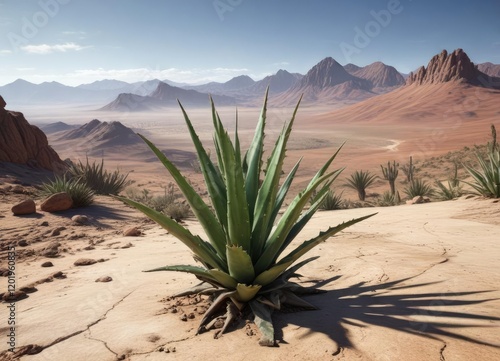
84, 262
47, 264
57, 202
88, 248
22, 243
80, 220
58, 274
44, 224
17, 189
57, 231
28, 289
4, 272
128, 245
14, 296
132, 232
418, 199
52, 250
104, 279
25, 207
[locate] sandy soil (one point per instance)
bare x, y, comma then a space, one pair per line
415, 282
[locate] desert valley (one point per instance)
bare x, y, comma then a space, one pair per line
418, 281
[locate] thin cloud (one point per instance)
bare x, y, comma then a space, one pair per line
74, 32
25, 69
5, 52
174, 74
48, 49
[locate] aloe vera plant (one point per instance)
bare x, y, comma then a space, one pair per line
246, 261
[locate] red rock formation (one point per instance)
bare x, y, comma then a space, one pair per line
23, 143
445, 67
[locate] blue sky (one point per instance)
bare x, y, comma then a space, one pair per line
194, 41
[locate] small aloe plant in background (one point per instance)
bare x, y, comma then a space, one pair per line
246, 260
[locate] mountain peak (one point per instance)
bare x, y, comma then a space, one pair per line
380, 75
238, 82
328, 72
444, 67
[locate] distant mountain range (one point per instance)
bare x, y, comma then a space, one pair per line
164, 96
434, 93
327, 82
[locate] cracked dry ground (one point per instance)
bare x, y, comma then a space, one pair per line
407, 284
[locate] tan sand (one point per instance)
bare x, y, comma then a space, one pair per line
414, 282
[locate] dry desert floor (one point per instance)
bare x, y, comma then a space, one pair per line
414, 282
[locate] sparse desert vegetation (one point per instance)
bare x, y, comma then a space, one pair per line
409, 276
81, 194
98, 178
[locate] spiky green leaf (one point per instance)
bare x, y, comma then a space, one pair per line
207, 219
202, 249
285, 224
266, 198
264, 322
213, 179
253, 159
240, 265
246, 292
238, 228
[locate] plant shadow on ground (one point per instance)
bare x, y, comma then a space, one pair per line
363, 305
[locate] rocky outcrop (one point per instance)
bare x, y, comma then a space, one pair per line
445, 67
102, 134
23, 143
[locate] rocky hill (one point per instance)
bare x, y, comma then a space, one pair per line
279, 82
379, 75
23, 143
444, 67
100, 135
56, 127
327, 82
228, 88
490, 69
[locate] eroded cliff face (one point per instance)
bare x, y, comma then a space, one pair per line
445, 67
21, 142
